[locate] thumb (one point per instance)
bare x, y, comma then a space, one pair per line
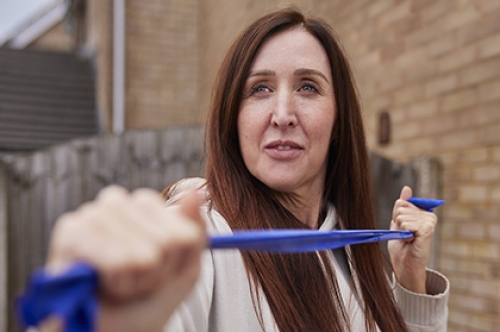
406, 193
190, 206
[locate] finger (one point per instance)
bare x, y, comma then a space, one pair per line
421, 224
112, 192
402, 201
174, 232
51, 324
190, 206
406, 193
105, 237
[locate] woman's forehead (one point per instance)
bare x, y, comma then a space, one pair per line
293, 48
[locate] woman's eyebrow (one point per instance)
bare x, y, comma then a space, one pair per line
262, 72
306, 71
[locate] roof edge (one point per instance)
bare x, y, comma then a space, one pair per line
37, 26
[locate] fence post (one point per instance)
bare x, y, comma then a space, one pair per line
3, 247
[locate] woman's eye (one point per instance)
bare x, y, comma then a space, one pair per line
309, 87
259, 88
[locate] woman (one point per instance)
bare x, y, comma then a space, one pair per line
286, 149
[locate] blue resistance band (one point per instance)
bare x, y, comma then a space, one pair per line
71, 296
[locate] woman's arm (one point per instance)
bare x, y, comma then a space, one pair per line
147, 256
409, 257
422, 294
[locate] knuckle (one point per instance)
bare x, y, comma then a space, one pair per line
112, 193
146, 193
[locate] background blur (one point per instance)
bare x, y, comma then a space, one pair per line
428, 74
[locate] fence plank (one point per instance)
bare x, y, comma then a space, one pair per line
35, 225
4, 214
19, 183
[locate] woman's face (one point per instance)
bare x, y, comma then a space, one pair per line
287, 114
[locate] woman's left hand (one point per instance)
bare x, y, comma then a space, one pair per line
409, 257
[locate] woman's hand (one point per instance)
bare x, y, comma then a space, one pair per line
147, 256
409, 257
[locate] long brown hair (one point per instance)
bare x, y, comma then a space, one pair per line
301, 295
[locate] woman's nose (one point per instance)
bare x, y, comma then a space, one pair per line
284, 111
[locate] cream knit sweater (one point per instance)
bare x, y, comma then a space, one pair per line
222, 298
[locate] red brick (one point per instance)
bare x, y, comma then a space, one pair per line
423, 109
487, 212
375, 8
473, 193
458, 212
390, 82
480, 72
488, 288
457, 175
424, 35
490, 47
460, 17
442, 45
419, 72
391, 51
471, 303
487, 173
417, 5
421, 145
407, 130
489, 6
459, 99
495, 194
459, 320
496, 154
441, 85
474, 155
494, 231
376, 104
440, 124
457, 249
473, 230
407, 95
491, 134
448, 158
490, 91
395, 13
456, 60
480, 116
437, 10
398, 116
474, 32
368, 60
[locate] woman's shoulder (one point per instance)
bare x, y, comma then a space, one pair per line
216, 224
177, 190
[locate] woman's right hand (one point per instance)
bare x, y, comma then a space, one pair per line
147, 256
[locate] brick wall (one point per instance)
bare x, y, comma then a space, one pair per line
162, 63
162, 60
435, 67
56, 39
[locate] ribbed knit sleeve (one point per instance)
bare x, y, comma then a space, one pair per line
425, 312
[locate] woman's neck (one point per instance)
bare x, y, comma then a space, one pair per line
306, 210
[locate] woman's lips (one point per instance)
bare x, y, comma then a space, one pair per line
283, 149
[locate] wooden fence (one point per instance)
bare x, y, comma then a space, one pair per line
36, 188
